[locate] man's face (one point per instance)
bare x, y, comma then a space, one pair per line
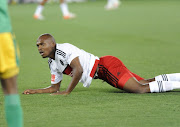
45, 47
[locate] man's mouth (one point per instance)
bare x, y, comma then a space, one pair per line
42, 53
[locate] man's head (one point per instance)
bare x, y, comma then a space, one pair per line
46, 45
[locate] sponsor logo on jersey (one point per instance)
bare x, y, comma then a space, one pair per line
53, 78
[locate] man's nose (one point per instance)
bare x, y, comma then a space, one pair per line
39, 47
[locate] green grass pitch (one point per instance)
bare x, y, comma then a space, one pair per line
144, 34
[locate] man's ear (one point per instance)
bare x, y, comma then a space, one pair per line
54, 44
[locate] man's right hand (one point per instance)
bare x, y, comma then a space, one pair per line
51, 89
29, 91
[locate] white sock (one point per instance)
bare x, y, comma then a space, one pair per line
109, 2
115, 1
168, 77
39, 10
163, 86
64, 9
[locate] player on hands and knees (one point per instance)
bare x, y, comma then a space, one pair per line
47, 48
83, 67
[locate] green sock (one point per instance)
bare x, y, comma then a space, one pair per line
13, 111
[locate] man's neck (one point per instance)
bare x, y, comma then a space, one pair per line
52, 56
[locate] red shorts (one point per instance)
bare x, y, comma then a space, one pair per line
113, 71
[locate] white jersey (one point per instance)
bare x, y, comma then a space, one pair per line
64, 54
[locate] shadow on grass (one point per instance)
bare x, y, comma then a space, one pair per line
115, 90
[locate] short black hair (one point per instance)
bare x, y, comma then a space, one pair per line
47, 36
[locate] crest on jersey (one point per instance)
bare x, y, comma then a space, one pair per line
53, 77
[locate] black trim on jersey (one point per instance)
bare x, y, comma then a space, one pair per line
164, 77
61, 62
49, 62
160, 85
109, 75
60, 52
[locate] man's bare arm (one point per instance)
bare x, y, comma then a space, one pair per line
77, 73
51, 89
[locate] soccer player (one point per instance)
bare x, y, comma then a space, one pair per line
64, 8
112, 4
9, 69
83, 67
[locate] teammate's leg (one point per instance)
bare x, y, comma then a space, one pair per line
112, 4
39, 9
65, 10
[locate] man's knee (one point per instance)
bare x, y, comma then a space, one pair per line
142, 89
136, 87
